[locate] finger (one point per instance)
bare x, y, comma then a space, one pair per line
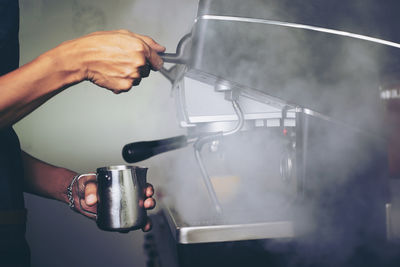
149, 203
149, 190
120, 85
83, 181
148, 225
136, 82
155, 60
150, 42
149, 55
85, 209
145, 70
91, 193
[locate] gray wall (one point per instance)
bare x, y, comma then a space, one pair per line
85, 127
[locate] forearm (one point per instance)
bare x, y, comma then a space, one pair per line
27, 87
115, 60
45, 180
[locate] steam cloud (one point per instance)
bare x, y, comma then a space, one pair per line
342, 209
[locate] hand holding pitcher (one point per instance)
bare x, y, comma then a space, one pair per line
117, 197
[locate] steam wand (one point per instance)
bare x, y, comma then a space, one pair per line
206, 179
206, 139
139, 151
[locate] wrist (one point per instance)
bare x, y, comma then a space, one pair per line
66, 64
71, 192
63, 192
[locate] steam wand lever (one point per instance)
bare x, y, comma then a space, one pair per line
182, 51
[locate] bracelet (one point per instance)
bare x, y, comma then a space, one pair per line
69, 192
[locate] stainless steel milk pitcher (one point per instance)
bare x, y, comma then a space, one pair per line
121, 195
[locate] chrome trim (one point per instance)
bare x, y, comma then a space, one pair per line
117, 168
235, 232
190, 234
315, 114
299, 26
227, 118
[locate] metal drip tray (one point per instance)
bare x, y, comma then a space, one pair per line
216, 230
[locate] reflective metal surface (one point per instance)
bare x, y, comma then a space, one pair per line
198, 104
299, 26
121, 192
207, 232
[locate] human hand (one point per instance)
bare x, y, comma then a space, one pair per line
115, 60
88, 190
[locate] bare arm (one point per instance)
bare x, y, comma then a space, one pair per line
49, 181
46, 180
114, 60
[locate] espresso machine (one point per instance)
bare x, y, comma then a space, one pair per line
284, 161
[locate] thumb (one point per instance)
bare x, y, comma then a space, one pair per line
91, 194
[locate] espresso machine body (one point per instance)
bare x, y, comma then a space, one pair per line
289, 114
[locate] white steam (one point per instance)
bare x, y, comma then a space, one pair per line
335, 76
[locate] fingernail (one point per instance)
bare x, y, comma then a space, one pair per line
90, 199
